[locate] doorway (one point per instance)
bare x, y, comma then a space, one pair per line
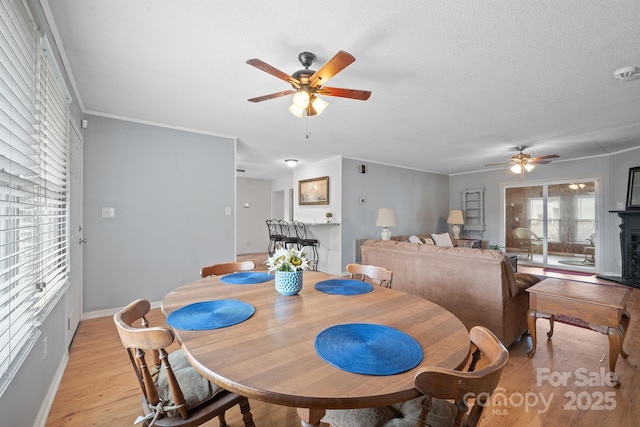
553, 224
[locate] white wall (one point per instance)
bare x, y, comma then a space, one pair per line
329, 236
170, 190
251, 234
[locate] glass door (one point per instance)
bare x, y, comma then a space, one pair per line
553, 224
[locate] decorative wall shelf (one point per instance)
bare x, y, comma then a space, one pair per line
473, 206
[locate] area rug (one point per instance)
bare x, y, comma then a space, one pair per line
574, 273
575, 321
577, 262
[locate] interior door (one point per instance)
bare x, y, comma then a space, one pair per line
74, 293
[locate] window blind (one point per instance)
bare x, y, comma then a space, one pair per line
33, 186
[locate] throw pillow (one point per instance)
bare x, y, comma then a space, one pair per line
442, 239
415, 239
428, 241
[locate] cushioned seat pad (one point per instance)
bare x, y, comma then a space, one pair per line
403, 414
196, 388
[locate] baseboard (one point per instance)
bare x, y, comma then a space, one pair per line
47, 402
111, 311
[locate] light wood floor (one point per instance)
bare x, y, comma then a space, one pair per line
98, 387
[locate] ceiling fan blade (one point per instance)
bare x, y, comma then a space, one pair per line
332, 67
499, 164
548, 156
362, 95
539, 162
261, 65
271, 96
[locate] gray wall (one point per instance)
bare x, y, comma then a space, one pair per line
420, 201
170, 190
251, 234
611, 171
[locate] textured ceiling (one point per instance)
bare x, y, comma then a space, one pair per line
455, 84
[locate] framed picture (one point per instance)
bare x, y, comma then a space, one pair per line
314, 191
633, 190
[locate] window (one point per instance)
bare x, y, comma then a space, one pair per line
536, 217
585, 216
34, 141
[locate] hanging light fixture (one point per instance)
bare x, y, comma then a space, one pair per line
305, 103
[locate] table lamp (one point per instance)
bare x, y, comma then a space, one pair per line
455, 218
386, 218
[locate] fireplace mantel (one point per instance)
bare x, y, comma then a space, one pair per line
629, 246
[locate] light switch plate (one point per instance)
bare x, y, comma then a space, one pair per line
108, 212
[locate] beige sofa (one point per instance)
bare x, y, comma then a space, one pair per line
477, 285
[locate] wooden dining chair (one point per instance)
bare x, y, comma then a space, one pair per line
173, 393
378, 275
227, 268
440, 387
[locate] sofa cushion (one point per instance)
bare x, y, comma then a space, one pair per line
415, 239
442, 239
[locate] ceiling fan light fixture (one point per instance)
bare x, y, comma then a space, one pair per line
295, 110
301, 99
516, 169
319, 104
529, 167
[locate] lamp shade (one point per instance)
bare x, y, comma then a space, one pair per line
455, 217
386, 218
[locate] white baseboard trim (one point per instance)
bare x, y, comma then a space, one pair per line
47, 402
110, 311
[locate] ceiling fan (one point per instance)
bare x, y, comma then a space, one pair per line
308, 84
522, 162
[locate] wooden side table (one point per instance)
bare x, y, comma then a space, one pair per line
603, 307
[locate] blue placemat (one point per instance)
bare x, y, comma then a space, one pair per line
246, 278
369, 349
205, 315
344, 287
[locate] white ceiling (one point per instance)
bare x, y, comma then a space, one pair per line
455, 84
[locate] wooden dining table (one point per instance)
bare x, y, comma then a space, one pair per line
271, 356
